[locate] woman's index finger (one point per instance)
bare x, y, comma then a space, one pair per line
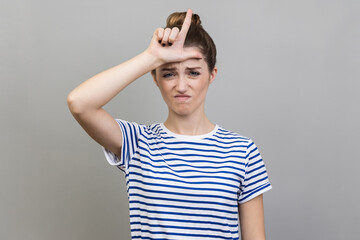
186, 24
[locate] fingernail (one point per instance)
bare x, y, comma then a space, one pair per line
163, 45
170, 44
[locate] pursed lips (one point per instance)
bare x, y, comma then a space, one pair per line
182, 97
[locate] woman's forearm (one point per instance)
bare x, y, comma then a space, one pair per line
98, 90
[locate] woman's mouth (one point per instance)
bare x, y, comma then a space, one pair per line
182, 97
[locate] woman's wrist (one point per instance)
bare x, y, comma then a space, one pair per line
152, 60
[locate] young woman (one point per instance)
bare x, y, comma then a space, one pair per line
187, 178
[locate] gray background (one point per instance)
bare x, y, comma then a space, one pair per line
288, 78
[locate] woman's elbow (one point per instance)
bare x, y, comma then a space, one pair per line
74, 104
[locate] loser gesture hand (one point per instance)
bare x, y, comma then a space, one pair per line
167, 45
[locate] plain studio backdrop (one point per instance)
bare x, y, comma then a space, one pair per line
288, 78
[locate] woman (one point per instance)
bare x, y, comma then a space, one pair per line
187, 178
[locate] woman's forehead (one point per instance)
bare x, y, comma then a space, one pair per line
189, 63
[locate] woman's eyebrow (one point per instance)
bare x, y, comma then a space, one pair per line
191, 68
174, 68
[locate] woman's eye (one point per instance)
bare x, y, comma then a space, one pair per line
167, 75
193, 73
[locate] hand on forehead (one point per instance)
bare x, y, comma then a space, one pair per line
189, 63
190, 60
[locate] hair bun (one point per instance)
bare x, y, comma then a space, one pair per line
196, 20
176, 19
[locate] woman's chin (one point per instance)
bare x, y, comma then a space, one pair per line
182, 111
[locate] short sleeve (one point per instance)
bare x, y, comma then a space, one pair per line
130, 143
256, 179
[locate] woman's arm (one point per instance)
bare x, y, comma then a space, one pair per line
95, 92
86, 101
251, 216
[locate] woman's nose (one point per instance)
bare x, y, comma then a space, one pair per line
182, 84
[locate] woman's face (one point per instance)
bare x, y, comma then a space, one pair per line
184, 85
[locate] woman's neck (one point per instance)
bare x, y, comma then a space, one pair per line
195, 124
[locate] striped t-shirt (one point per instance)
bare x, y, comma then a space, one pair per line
187, 187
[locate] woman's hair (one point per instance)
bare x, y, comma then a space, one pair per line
196, 37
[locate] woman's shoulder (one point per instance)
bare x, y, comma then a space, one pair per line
149, 131
229, 134
137, 125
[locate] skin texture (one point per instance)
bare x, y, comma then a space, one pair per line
251, 216
186, 116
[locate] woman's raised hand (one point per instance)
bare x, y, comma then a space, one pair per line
167, 45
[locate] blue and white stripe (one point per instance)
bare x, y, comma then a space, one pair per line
187, 187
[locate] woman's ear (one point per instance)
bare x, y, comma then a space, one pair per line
213, 74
